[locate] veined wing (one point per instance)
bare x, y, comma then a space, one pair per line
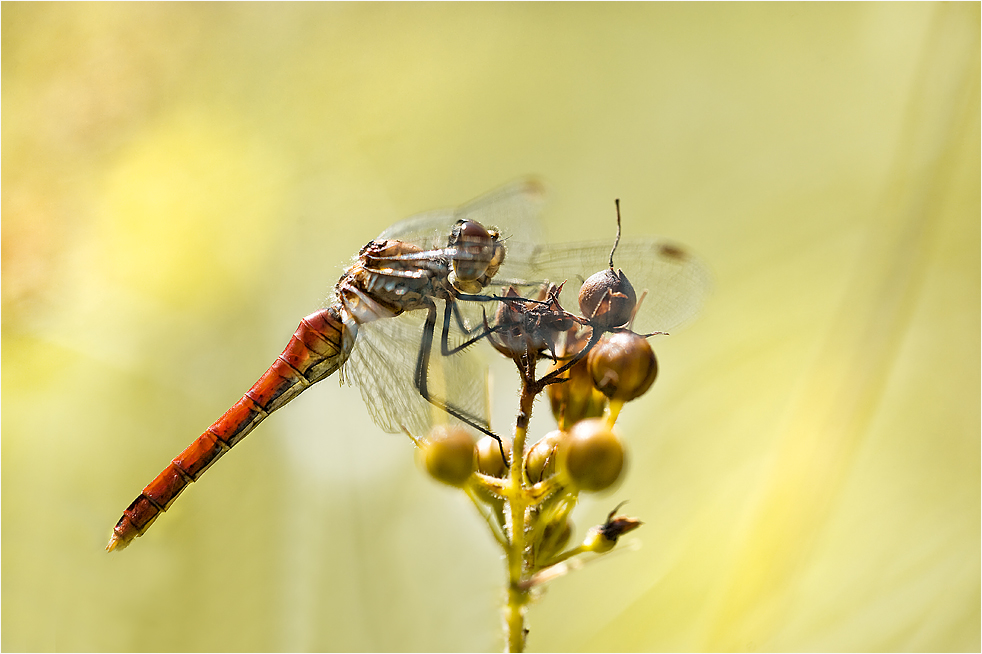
513, 209
383, 364
676, 281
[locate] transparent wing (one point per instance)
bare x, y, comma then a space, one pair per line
429, 230
513, 209
383, 364
676, 281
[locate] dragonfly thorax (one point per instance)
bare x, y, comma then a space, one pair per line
389, 278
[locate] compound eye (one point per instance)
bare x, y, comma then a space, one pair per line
472, 232
474, 250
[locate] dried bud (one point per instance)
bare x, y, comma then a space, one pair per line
522, 327
591, 456
488, 453
511, 336
449, 455
607, 299
540, 460
614, 528
602, 538
623, 366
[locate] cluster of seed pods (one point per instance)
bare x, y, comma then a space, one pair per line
597, 364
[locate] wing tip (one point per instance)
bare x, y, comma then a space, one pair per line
533, 188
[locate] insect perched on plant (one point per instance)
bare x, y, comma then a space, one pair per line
468, 275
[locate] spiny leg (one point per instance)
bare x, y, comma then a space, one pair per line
480, 332
421, 381
555, 376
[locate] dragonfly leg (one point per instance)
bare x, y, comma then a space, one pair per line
555, 376
483, 331
474, 335
421, 381
498, 298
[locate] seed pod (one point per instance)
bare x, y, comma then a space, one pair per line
488, 455
622, 365
591, 456
577, 398
607, 299
449, 455
602, 538
540, 460
555, 537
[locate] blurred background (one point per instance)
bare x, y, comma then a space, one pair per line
183, 182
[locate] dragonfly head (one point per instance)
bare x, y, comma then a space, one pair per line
477, 255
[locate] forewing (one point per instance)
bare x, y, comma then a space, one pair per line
429, 230
513, 208
676, 281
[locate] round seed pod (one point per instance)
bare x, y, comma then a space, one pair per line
488, 456
540, 460
622, 365
590, 456
607, 299
449, 455
555, 537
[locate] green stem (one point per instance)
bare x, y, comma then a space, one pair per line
518, 503
579, 549
515, 618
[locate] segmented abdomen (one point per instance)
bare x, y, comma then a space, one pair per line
317, 349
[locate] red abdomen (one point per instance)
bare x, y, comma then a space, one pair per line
317, 349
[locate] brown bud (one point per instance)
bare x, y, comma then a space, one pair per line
607, 299
577, 398
511, 336
622, 365
591, 456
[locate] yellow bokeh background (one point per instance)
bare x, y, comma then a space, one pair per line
182, 183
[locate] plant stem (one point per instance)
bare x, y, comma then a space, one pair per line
518, 502
515, 618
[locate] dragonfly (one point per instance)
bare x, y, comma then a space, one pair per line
379, 326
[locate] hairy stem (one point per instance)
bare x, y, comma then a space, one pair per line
518, 503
